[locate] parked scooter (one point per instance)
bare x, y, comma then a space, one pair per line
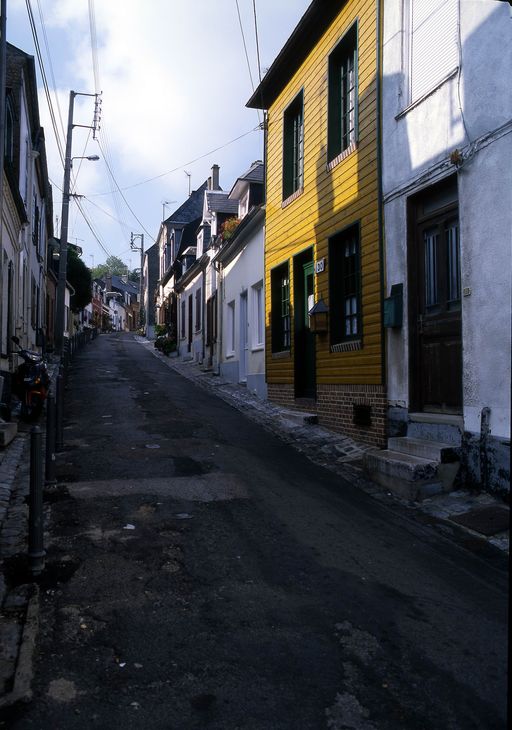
31, 382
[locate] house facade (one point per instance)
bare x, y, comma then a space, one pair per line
26, 215
197, 286
448, 223
323, 243
176, 244
240, 326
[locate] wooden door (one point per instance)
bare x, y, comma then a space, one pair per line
436, 327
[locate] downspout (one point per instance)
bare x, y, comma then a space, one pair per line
380, 211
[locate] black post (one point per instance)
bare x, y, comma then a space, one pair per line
50, 477
36, 551
59, 425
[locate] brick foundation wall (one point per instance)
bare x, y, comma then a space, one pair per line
336, 411
335, 408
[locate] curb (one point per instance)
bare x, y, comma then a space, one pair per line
24, 671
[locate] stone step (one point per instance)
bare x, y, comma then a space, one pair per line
437, 451
435, 427
405, 475
299, 417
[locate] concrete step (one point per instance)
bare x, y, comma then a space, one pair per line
437, 451
407, 476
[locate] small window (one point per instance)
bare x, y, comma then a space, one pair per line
345, 286
183, 318
258, 318
281, 322
293, 147
230, 329
343, 104
198, 310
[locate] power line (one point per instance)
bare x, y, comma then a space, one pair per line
123, 197
257, 41
186, 164
245, 50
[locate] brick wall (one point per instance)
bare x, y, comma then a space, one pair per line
335, 408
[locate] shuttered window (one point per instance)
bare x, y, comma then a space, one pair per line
342, 114
280, 315
434, 49
293, 147
345, 286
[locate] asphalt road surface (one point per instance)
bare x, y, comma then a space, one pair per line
203, 574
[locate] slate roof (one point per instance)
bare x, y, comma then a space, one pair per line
220, 203
255, 173
191, 209
118, 283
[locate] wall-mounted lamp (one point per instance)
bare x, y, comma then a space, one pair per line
319, 317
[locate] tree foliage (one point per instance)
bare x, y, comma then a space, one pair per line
79, 276
113, 265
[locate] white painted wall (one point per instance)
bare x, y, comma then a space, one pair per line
239, 276
469, 111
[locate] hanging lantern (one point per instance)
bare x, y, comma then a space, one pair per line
319, 317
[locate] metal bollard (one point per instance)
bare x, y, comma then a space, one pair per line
50, 474
59, 420
36, 551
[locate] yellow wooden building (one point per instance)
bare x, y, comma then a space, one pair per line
323, 248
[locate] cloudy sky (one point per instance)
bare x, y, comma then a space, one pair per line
175, 81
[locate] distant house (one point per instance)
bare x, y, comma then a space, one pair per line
240, 329
197, 284
125, 294
176, 251
150, 279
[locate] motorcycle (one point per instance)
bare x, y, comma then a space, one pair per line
31, 382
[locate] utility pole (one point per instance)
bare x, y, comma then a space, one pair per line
63, 248
140, 248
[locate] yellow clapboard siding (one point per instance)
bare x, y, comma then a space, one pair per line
331, 199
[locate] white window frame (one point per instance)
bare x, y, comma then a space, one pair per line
230, 329
258, 316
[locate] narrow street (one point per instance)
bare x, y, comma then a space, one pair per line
202, 573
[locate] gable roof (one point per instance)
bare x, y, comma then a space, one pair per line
219, 202
310, 28
255, 174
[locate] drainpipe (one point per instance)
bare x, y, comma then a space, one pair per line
485, 430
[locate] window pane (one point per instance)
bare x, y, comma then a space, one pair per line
452, 246
430, 238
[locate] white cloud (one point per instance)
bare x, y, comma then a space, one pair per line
174, 81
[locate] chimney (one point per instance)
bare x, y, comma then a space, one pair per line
215, 177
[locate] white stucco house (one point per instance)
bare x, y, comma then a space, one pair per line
241, 308
197, 286
447, 194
